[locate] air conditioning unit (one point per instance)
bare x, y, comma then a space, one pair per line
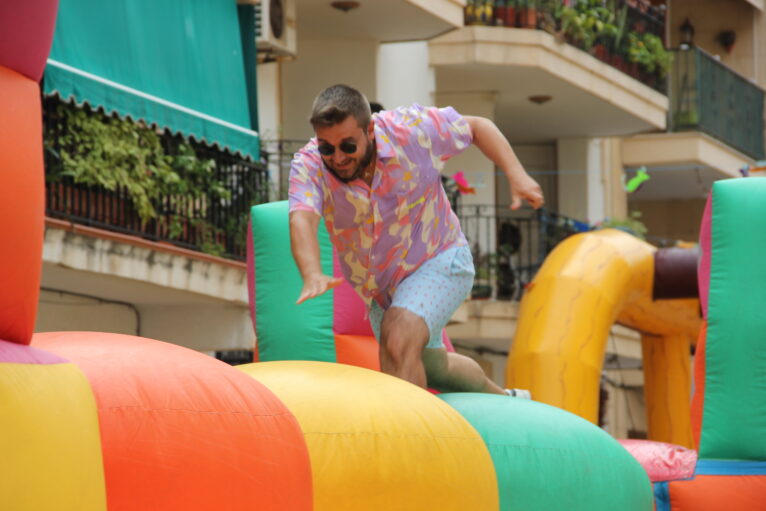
275, 34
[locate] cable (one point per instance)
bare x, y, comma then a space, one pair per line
100, 300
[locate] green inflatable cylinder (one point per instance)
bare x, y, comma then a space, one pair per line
546, 458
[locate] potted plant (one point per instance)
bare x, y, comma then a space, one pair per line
528, 14
632, 225
663, 59
511, 12
499, 12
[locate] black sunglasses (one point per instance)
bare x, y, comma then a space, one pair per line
326, 149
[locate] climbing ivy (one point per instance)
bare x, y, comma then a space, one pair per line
106, 151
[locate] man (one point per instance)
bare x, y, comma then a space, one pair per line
376, 182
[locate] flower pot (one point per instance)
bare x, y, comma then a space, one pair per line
617, 62
528, 18
600, 52
499, 15
510, 16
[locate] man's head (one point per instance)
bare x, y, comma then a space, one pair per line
345, 132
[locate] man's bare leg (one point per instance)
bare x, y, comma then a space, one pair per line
403, 335
453, 372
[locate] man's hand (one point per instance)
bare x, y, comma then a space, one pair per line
493, 144
524, 187
315, 285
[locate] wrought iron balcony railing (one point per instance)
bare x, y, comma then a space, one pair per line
706, 95
509, 247
625, 34
205, 212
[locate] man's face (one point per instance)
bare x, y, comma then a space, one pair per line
342, 137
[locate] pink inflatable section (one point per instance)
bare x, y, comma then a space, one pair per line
26, 29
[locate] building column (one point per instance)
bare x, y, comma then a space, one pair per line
582, 180
404, 76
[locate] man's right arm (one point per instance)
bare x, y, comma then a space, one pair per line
305, 247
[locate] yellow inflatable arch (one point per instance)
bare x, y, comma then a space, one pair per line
588, 283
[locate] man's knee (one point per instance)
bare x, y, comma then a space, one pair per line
403, 334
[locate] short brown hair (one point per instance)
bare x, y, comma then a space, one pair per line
334, 104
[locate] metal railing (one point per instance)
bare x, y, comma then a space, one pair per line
636, 16
213, 223
277, 155
509, 247
707, 96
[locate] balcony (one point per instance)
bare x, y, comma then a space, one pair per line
715, 126
588, 83
707, 96
190, 195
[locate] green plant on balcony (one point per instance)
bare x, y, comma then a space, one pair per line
632, 224
108, 152
639, 53
588, 25
648, 51
663, 59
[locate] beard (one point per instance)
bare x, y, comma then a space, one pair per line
359, 170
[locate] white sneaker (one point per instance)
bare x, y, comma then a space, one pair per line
519, 393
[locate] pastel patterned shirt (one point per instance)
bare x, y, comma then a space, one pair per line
385, 232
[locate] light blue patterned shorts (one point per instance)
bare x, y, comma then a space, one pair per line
433, 292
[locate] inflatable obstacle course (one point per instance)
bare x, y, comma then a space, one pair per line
729, 405
328, 328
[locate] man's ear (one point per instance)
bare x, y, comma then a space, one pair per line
371, 129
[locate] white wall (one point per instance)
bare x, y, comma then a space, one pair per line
64, 312
214, 327
404, 76
319, 65
209, 327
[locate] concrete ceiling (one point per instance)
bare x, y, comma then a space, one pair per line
572, 111
676, 182
379, 20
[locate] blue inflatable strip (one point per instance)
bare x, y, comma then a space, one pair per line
730, 468
661, 497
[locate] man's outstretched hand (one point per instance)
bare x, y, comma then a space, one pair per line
316, 285
524, 187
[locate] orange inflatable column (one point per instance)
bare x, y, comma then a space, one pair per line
181, 430
22, 204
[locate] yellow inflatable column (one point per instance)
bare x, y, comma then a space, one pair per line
667, 387
50, 446
379, 443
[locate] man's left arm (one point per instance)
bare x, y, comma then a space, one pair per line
493, 144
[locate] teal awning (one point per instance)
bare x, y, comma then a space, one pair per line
174, 63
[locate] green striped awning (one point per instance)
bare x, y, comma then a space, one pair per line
174, 63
